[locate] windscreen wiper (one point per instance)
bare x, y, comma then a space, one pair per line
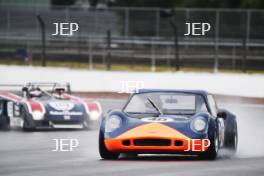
155, 106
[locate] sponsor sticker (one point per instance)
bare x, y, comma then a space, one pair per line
66, 113
66, 117
62, 106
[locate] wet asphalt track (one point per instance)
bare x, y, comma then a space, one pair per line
30, 153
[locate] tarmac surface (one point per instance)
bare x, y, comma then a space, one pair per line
30, 153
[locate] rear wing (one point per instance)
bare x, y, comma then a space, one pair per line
22, 89
51, 85
10, 96
10, 86
11, 92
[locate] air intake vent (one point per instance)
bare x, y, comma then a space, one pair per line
126, 142
152, 142
178, 143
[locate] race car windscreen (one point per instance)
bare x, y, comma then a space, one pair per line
167, 103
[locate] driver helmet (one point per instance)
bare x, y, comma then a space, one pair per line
59, 91
35, 93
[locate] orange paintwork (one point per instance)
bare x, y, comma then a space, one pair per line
152, 131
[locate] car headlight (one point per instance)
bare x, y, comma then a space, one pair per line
198, 124
37, 115
94, 115
112, 123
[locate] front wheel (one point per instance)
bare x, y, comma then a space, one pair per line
212, 152
25, 125
87, 125
104, 153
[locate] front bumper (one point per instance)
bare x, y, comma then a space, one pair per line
57, 125
155, 138
154, 144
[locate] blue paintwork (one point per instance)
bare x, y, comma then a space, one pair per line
183, 127
129, 123
78, 107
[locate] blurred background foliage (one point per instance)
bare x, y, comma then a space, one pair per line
256, 4
252, 4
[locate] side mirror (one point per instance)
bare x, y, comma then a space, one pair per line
222, 114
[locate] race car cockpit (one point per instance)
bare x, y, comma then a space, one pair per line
35, 92
58, 92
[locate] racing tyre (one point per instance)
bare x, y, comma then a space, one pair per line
6, 123
212, 152
25, 124
87, 124
232, 140
129, 156
104, 153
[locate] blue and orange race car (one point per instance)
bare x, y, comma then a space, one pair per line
168, 121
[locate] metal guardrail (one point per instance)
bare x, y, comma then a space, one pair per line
137, 33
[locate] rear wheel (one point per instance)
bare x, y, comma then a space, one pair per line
232, 140
5, 123
4, 119
104, 153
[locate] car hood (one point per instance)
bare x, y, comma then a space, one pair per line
180, 123
60, 107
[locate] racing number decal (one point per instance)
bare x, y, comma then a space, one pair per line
157, 119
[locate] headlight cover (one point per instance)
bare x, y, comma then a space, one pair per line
112, 123
37, 115
198, 124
